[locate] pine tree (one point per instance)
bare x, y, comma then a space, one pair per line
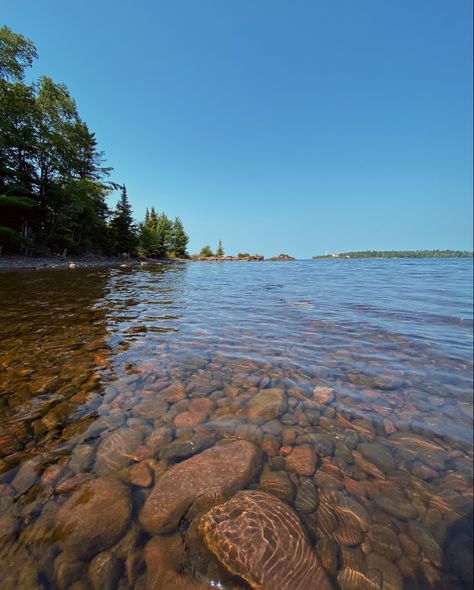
220, 249
179, 239
153, 219
122, 226
164, 233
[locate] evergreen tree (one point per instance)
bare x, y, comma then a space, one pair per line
122, 226
164, 231
179, 239
220, 249
155, 235
53, 183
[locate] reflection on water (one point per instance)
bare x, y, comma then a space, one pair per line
124, 395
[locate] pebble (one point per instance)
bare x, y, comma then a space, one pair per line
302, 460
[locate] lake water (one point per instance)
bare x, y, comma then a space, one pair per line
133, 400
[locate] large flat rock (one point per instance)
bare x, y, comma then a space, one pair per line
267, 405
94, 517
214, 474
260, 538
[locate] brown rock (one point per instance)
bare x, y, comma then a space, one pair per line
71, 484
141, 475
278, 484
306, 497
323, 395
173, 393
270, 445
105, 571
159, 438
117, 450
152, 408
347, 535
201, 405
383, 540
27, 475
302, 460
67, 570
285, 451
260, 538
9, 525
350, 579
189, 419
164, 557
327, 551
391, 575
211, 475
94, 517
267, 405
51, 474
396, 504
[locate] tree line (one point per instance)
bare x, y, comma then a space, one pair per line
401, 254
53, 181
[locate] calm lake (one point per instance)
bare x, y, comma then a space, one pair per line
134, 400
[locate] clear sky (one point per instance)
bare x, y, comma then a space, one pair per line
276, 125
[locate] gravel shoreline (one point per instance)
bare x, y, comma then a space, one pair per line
35, 263
58, 262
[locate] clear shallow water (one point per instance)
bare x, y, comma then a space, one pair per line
87, 359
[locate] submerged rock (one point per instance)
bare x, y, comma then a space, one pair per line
383, 540
105, 571
350, 579
327, 552
267, 405
306, 497
277, 483
302, 460
427, 543
391, 575
27, 475
396, 505
117, 450
260, 538
211, 476
349, 511
94, 517
378, 454
164, 557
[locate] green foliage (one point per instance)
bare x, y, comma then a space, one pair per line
220, 249
53, 185
123, 233
49, 160
243, 255
179, 240
9, 237
206, 251
159, 237
16, 54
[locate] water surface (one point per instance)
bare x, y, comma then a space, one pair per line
373, 359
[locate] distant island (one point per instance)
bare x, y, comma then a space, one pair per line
399, 254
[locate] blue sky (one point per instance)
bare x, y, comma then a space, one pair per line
276, 125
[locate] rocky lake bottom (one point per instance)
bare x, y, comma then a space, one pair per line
277, 426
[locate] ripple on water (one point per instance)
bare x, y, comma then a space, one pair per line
350, 381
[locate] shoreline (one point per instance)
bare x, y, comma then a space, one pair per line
72, 262
58, 262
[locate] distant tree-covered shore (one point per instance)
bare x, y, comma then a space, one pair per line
400, 254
